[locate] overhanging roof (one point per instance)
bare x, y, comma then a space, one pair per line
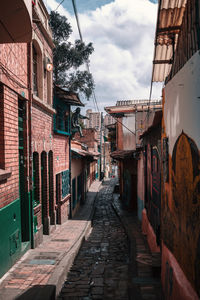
124, 154
156, 122
15, 21
67, 96
85, 154
169, 20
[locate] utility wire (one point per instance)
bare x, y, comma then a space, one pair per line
81, 38
124, 125
87, 65
59, 5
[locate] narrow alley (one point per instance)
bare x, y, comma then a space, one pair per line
105, 267
99, 150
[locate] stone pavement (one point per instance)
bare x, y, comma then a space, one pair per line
101, 268
114, 262
144, 271
40, 273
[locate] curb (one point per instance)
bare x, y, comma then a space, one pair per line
60, 272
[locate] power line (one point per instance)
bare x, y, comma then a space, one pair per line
59, 5
124, 126
81, 38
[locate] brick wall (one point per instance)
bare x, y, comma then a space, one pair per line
13, 67
61, 153
9, 189
61, 163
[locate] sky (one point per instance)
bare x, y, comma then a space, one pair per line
122, 33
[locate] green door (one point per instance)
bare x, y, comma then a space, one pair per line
24, 199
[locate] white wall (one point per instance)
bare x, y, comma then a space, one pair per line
182, 103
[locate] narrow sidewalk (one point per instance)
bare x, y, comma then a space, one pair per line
40, 273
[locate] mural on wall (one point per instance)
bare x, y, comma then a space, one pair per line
181, 208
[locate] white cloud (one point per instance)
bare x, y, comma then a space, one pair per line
122, 33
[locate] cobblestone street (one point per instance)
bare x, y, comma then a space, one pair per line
100, 270
102, 267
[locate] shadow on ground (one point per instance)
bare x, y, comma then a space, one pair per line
39, 292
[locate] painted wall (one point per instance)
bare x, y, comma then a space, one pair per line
128, 138
181, 191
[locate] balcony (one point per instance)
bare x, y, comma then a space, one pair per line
16, 21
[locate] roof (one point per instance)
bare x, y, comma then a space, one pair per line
84, 153
128, 107
169, 20
156, 122
124, 154
67, 96
81, 152
111, 126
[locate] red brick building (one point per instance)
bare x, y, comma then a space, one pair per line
41, 123
34, 134
15, 95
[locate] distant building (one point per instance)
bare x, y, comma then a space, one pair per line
108, 120
130, 116
94, 119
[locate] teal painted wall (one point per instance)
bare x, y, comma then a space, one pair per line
10, 235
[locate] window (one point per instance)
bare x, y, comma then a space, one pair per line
37, 70
62, 119
35, 73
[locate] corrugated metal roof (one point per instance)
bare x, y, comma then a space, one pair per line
170, 16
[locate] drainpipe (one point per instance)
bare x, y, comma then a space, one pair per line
30, 140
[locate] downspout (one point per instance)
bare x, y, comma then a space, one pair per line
30, 140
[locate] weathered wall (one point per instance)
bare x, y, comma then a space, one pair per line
128, 135
14, 62
181, 190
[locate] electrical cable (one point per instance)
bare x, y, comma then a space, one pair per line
59, 5
81, 38
124, 125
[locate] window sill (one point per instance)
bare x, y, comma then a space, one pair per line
4, 174
43, 105
61, 132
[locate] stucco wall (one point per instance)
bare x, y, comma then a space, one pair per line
128, 135
181, 196
182, 105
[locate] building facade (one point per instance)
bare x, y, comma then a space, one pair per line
35, 134
130, 124
15, 97
180, 228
